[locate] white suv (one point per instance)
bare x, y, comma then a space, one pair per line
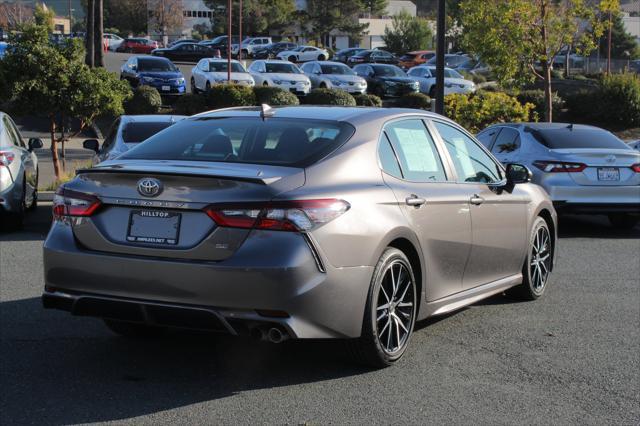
249, 45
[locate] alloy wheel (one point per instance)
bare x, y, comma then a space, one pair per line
540, 264
395, 308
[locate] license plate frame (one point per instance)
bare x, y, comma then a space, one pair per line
141, 219
608, 174
166, 88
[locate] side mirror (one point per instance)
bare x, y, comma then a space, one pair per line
91, 144
517, 173
35, 143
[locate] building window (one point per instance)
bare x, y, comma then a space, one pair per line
209, 14
185, 13
199, 14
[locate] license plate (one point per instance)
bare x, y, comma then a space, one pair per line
608, 173
154, 227
166, 88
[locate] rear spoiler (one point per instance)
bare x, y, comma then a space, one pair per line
257, 180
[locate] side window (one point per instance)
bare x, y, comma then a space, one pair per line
471, 162
388, 160
14, 137
416, 151
111, 136
508, 141
306, 68
486, 136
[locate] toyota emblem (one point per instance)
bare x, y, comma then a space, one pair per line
610, 158
149, 187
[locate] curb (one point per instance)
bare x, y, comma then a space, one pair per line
46, 195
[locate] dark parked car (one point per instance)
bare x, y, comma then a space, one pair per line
270, 51
220, 43
184, 40
186, 52
156, 72
344, 54
373, 57
386, 80
137, 45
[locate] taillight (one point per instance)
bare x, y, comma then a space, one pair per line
294, 215
559, 166
73, 203
6, 158
636, 168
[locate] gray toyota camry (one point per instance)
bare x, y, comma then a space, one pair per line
298, 222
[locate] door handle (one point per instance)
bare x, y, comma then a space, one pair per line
476, 200
414, 201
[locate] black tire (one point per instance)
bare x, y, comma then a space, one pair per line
135, 330
378, 91
323, 85
623, 221
34, 201
532, 288
194, 89
265, 84
321, 58
432, 92
207, 86
369, 348
292, 59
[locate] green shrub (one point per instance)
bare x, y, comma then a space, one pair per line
536, 97
414, 100
274, 96
190, 104
368, 100
583, 106
145, 100
619, 102
557, 74
329, 97
229, 95
476, 78
481, 109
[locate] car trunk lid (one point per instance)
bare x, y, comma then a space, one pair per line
604, 167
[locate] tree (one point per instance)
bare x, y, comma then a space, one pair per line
621, 40
130, 17
409, 33
258, 16
520, 39
166, 15
325, 16
44, 16
14, 14
375, 7
51, 80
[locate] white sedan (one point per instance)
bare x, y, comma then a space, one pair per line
282, 74
210, 71
454, 82
303, 54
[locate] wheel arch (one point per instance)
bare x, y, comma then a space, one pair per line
548, 218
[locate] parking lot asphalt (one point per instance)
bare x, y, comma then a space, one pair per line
572, 357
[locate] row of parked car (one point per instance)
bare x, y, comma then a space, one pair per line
384, 80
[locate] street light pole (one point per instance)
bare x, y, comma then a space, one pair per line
240, 32
229, 40
440, 46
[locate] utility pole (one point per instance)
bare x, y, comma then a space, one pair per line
240, 32
229, 40
89, 36
609, 44
440, 46
98, 33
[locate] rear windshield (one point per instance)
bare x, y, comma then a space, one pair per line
137, 132
565, 138
155, 65
274, 141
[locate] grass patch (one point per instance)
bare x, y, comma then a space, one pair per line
68, 173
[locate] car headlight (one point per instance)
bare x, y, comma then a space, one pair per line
305, 83
180, 80
277, 81
147, 79
415, 84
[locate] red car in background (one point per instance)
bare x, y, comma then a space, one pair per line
137, 45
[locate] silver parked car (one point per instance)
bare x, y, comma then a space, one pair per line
126, 132
454, 82
584, 169
298, 222
18, 172
634, 145
334, 75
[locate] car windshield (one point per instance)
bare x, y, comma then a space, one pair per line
577, 137
136, 132
148, 64
284, 68
336, 69
222, 67
276, 141
389, 71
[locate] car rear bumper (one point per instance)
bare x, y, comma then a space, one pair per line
272, 271
9, 196
595, 199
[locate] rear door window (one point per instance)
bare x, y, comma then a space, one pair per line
507, 142
416, 151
